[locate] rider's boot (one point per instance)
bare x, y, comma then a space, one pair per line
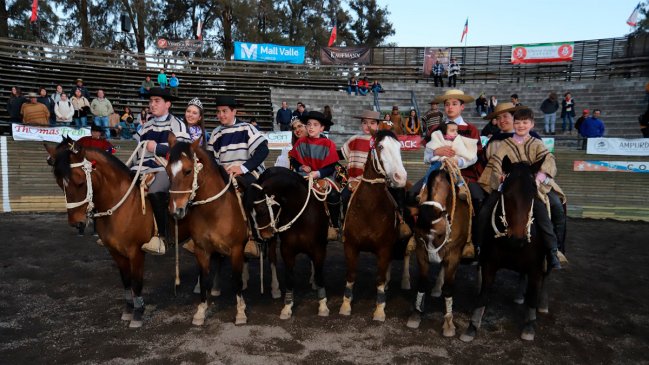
333, 205
252, 248
462, 191
156, 245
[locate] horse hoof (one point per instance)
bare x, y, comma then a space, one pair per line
544, 310
520, 300
436, 293
286, 312
448, 332
244, 286
469, 334
345, 309
135, 324
240, 320
379, 317
466, 338
414, 321
323, 311
527, 335
276, 294
215, 293
127, 316
405, 284
198, 321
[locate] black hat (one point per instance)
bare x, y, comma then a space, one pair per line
163, 93
320, 117
227, 100
96, 128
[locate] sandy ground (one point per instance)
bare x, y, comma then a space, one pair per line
62, 299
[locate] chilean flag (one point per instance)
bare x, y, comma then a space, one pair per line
633, 18
466, 30
34, 16
199, 31
332, 38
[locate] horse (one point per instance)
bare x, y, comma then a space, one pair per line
372, 223
93, 180
512, 242
282, 203
203, 195
441, 232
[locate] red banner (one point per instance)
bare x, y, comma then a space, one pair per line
410, 143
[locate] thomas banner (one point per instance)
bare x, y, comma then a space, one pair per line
543, 52
267, 52
23, 132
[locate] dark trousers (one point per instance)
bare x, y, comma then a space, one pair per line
438, 78
558, 219
284, 127
333, 204
452, 81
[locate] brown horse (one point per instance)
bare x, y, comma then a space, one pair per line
441, 232
372, 222
203, 196
93, 180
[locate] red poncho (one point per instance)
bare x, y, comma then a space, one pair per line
314, 152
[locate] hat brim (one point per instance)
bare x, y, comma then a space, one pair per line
494, 114
166, 97
362, 117
325, 122
442, 98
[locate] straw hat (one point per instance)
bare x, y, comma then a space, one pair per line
503, 108
33, 95
454, 94
369, 114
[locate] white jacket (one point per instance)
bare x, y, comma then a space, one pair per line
64, 111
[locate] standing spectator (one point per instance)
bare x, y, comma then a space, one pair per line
493, 103
352, 86
162, 79
49, 104
34, 112
56, 96
329, 117
432, 118
376, 87
453, 72
81, 109
79, 86
300, 110
584, 114
549, 107
146, 85
397, 127
515, 100
64, 110
592, 127
438, 73
363, 86
644, 124
126, 128
412, 124
568, 113
481, 105
173, 84
14, 105
113, 124
283, 117
195, 121
101, 108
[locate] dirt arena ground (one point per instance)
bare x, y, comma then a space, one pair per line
62, 299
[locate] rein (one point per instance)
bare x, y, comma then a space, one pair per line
198, 166
503, 219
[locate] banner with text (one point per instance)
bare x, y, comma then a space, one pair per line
613, 166
23, 132
344, 55
618, 146
267, 52
435, 54
186, 45
410, 143
279, 140
548, 142
543, 52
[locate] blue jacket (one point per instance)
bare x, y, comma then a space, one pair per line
173, 82
592, 127
284, 116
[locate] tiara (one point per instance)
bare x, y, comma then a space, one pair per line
196, 102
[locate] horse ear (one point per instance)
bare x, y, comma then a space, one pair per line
536, 167
196, 144
171, 139
50, 150
506, 164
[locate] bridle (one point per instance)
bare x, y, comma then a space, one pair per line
378, 168
198, 166
433, 252
503, 219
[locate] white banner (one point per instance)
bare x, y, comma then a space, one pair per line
548, 142
23, 132
279, 140
618, 146
543, 52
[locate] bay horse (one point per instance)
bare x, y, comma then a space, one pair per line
93, 180
511, 242
441, 232
203, 196
284, 204
371, 222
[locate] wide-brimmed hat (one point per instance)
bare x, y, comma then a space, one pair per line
77, 80
96, 128
32, 95
227, 100
454, 94
369, 114
320, 117
433, 102
395, 107
163, 93
503, 108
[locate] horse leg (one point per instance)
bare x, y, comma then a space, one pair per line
450, 267
203, 260
125, 274
439, 282
488, 277
245, 275
237, 261
351, 258
289, 266
383, 266
423, 285
137, 275
520, 291
318, 261
216, 280
531, 299
388, 276
272, 257
543, 296
312, 277
405, 277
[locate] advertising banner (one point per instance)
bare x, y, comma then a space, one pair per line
614, 166
267, 52
543, 52
23, 132
279, 140
618, 146
344, 55
410, 143
432, 54
548, 142
185, 45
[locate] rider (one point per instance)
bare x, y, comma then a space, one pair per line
239, 148
96, 140
522, 147
156, 132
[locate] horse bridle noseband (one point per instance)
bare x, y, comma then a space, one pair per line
503, 219
198, 166
433, 252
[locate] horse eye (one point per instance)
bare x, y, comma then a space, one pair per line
380, 147
187, 172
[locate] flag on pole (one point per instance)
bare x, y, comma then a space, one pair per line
332, 38
199, 30
633, 18
466, 29
34, 16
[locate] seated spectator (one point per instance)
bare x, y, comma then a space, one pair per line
14, 105
126, 127
113, 124
493, 103
173, 84
144, 116
515, 100
56, 96
253, 122
363, 86
145, 87
79, 86
431, 120
412, 124
481, 105
352, 86
376, 87
490, 128
64, 110
34, 112
397, 127
592, 127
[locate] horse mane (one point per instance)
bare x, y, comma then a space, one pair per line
287, 174
381, 134
62, 169
520, 171
431, 179
428, 213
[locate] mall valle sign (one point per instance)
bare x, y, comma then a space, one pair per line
268, 52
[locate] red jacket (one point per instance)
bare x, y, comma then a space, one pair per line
101, 144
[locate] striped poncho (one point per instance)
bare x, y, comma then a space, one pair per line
236, 145
158, 129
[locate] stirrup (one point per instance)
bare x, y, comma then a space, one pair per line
332, 234
189, 245
404, 231
468, 251
155, 246
562, 258
251, 249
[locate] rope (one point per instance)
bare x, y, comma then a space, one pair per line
455, 174
177, 281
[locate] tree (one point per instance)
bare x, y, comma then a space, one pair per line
4, 19
20, 27
371, 25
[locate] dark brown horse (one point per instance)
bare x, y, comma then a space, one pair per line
511, 242
371, 221
282, 203
202, 195
441, 232
95, 181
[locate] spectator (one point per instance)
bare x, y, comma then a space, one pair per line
329, 116
162, 79
34, 112
490, 128
56, 96
101, 108
432, 118
515, 100
376, 87
584, 114
14, 105
568, 113
300, 110
453, 72
113, 124
438, 73
593, 127
81, 109
481, 105
644, 124
352, 86
363, 86
253, 122
49, 104
145, 87
412, 124
173, 84
144, 116
283, 117
126, 128
298, 128
194, 118
493, 103
397, 127
549, 108
64, 110
79, 86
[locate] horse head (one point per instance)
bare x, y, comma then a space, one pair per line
433, 225
388, 158
518, 193
183, 168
